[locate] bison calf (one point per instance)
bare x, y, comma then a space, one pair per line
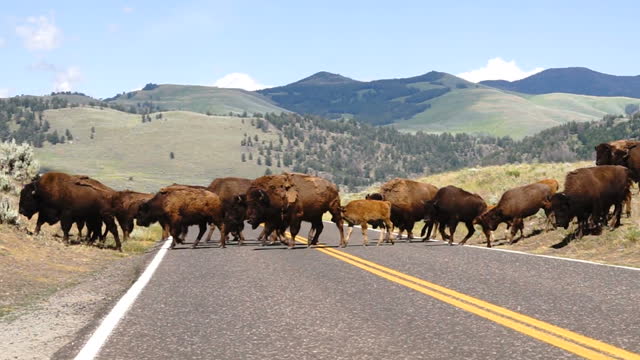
361, 212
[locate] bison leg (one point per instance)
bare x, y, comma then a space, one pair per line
224, 235
294, 228
336, 217
348, 236
471, 230
318, 226
65, 224
517, 225
39, 224
488, 234
365, 238
617, 213
113, 229
210, 234
80, 227
240, 238
442, 227
453, 224
387, 228
202, 227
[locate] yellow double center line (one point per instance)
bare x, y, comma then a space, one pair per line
565, 339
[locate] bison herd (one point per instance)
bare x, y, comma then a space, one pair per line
281, 202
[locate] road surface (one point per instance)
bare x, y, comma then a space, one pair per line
408, 301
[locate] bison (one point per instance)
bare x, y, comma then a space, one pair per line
407, 198
450, 206
228, 189
588, 194
285, 200
70, 198
515, 205
361, 212
126, 205
179, 206
613, 153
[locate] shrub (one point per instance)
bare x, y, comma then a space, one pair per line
6, 185
8, 215
17, 161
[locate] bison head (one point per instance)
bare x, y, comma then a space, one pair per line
257, 202
490, 219
430, 210
29, 202
145, 215
236, 211
560, 207
374, 196
604, 154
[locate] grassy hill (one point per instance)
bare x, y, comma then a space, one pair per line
621, 246
573, 80
124, 148
490, 111
201, 99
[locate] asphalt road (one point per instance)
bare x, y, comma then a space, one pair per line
255, 302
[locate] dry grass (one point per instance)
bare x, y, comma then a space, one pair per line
33, 267
620, 246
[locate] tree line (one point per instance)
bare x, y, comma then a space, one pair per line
354, 154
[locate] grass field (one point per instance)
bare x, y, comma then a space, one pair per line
126, 153
490, 111
203, 99
621, 246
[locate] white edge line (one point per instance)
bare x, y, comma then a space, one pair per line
530, 254
101, 334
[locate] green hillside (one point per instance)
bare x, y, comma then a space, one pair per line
201, 99
205, 147
495, 112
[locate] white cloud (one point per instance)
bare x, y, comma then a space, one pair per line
40, 33
67, 79
239, 81
5, 93
127, 9
498, 69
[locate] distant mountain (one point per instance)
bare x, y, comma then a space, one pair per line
573, 80
377, 102
325, 78
202, 99
440, 102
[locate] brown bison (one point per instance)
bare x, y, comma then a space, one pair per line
407, 198
450, 206
70, 198
613, 153
179, 206
126, 205
515, 205
285, 200
361, 212
228, 189
588, 194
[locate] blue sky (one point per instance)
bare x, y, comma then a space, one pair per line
103, 48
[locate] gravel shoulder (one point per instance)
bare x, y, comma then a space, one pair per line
45, 329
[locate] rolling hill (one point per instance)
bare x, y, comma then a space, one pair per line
440, 102
573, 80
494, 112
126, 153
201, 99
